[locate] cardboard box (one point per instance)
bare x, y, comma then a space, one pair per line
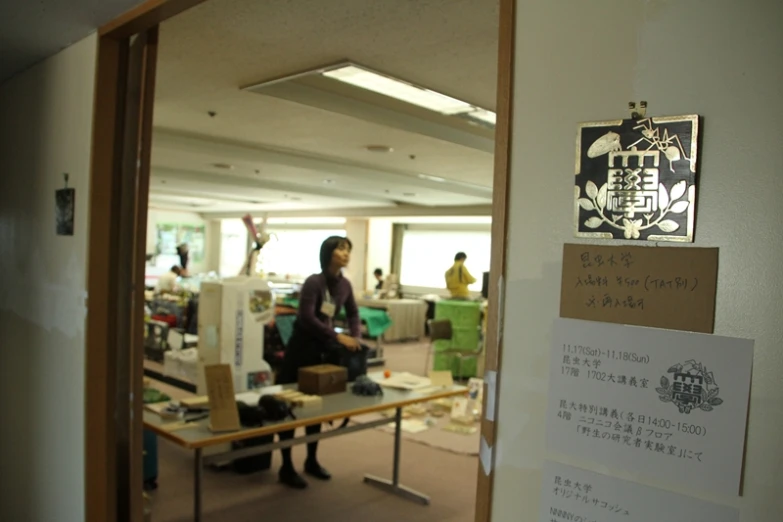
323, 379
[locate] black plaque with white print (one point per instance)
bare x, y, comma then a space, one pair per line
636, 179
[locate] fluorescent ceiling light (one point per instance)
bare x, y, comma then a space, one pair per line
306, 221
432, 178
442, 220
483, 115
407, 92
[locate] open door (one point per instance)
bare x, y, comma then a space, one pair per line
132, 192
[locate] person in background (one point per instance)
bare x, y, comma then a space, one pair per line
183, 251
378, 273
168, 281
321, 298
458, 278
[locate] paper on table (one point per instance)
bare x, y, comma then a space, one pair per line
570, 493
403, 380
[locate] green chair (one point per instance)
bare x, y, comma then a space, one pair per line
441, 330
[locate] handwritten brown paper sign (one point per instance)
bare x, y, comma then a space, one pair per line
662, 287
223, 413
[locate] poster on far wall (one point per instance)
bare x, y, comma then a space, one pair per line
636, 179
167, 240
193, 235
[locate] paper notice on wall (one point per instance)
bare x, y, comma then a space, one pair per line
660, 287
667, 405
485, 456
491, 379
571, 494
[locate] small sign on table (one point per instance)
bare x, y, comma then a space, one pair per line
223, 412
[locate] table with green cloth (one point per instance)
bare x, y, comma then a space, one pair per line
465, 317
376, 321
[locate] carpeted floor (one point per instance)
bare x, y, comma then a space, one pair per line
448, 478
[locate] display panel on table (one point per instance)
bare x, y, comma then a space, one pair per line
231, 318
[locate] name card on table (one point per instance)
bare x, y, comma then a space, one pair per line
647, 286
573, 494
223, 412
669, 406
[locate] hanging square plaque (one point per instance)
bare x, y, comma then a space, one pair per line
636, 179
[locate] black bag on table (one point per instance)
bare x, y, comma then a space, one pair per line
354, 362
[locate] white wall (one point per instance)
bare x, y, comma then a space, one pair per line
232, 247
357, 231
379, 249
45, 130
172, 217
717, 58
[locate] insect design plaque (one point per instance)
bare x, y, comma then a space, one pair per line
636, 179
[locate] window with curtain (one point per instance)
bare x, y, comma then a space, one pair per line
294, 252
427, 254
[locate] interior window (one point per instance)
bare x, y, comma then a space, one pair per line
427, 254
293, 253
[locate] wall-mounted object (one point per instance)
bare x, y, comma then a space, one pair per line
663, 287
665, 406
636, 178
65, 205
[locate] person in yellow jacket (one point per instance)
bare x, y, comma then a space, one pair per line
458, 278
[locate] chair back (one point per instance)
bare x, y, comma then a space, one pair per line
440, 329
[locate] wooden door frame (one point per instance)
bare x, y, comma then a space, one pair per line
497, 269
103, 284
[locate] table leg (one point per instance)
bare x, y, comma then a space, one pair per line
198, 466
393, 486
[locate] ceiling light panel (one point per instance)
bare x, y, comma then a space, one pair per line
369, 80
403, 91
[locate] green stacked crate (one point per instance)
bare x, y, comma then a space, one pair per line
465, 317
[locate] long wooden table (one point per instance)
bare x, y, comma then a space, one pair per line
197, 435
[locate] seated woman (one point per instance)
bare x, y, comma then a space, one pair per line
322, 296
